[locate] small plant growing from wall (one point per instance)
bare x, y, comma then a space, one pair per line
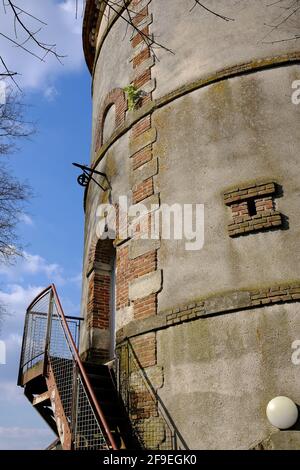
133, 96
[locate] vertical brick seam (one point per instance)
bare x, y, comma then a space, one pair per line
141, 53
145, 345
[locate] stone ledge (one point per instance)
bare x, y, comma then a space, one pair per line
143, 46
151, 203
124, 316
140, 69
149, 86
219, 304
145, 285
144, 172
139, 6
140, 247
142, 141
279, 440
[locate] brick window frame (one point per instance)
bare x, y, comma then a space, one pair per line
252, 208
117, 98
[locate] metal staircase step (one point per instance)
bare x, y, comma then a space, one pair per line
42, 399
96, 369
101, 381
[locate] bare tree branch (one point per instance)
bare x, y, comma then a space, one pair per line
13, 193
126, 15
218, 15
13, 125
32, 39
288, 12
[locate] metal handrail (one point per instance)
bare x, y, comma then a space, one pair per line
71, 343
83, 373
33, 358
39, 297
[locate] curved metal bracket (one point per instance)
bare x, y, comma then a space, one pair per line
87, 175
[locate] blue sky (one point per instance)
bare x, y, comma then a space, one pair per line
52, 227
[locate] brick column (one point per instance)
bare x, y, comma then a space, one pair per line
99, 274
138, 278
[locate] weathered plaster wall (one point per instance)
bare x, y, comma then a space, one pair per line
204, 44
220, 372
115, 165
113, 67
237, 130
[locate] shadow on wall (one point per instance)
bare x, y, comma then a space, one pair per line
150, 419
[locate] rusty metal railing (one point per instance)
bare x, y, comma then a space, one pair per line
51, 340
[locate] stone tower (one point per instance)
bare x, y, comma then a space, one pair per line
203, 337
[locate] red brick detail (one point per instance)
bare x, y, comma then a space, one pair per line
141, 57
104, 251
249, 191
123, 277
142, 79
115, 97
143, 190
98, 301
140, 17
139, 37
144, 264
99, 285
100, 250
145, 99
141, 126
252, 208
145, 349
121, 223
239, 209
143, 405
142, 228
146, 307
264, 204
142, 157
127, 270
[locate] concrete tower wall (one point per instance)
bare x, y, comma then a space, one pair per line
212, 329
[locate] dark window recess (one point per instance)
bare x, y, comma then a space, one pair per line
251, 207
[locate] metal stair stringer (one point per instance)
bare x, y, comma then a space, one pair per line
62, 424
54, 378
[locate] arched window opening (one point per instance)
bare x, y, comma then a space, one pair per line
109, 122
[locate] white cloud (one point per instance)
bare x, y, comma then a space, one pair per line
76, 279
19, 432
23, 282
62, 29
9, 392
51, 93
12, 341
26, 219
14, 438
69, 307
32, 265
17, 298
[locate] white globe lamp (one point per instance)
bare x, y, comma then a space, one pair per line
282, 412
